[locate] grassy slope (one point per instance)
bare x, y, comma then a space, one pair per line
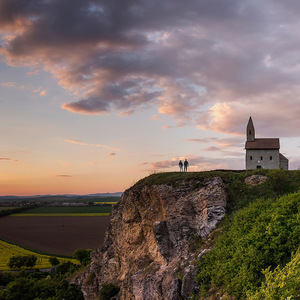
263, 234
7, 250
282, 283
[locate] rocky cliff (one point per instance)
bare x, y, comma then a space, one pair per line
147, 248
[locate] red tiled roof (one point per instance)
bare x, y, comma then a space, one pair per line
263, 144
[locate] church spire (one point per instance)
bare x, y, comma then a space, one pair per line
250, 131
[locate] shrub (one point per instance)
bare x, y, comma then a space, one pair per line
19, 261
282, 283
53, 261
280, 180
262, 235
83, 255
108, 290
62, 268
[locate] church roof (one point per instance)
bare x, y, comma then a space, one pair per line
282, 157
263, 144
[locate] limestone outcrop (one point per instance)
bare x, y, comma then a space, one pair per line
255, 179
147, 248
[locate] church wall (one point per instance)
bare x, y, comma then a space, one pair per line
266, 162
284, 164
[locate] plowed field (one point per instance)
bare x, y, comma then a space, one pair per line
55, 235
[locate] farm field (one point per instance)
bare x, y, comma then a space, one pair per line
8, 250
111, 203
67, 211
54, 235
102, 200
5, 208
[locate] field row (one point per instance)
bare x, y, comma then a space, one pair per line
60, 215
68, 209
8, 250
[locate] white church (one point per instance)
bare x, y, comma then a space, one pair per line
263, 153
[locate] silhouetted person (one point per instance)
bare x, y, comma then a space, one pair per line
186, 164
180, 166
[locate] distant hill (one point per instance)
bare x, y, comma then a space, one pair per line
61, 197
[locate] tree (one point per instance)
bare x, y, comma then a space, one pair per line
21, 288
83, 255
53, 261
280, 180
30, 261
19, 261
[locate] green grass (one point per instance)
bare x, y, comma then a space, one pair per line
282, 283
263, 234
8, 250
103, 199
55, 210
5, 208
110, 203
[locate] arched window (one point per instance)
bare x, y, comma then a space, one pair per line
271, 158
261, 158
250, 157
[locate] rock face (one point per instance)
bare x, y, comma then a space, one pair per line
146, 251
255, 179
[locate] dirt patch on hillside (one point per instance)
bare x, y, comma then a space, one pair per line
57, 235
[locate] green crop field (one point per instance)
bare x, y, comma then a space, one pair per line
5, 208
8, 250
51, 211
61, 215
111, 203
103, 199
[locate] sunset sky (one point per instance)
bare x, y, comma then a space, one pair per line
95, 95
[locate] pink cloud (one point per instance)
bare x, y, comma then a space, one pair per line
199, 163
209, 63
91, 145
13, 84
33, 72
40, 91
8, 159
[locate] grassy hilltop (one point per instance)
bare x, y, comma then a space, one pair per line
255, 250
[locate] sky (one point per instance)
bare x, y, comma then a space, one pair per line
95, 95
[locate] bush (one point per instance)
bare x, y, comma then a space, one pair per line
53, 261
83, 255
282, 283
61, 269
108, 290
6, 278
28, 289
262, 235
19, 261
280, 180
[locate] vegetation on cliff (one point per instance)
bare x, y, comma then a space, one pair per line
261, 236
252, 256
239, 193
40, 285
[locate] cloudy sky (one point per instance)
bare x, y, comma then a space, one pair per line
95, 95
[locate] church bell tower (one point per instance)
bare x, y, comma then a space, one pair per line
250, 131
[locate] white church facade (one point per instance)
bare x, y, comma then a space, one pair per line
263, 153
